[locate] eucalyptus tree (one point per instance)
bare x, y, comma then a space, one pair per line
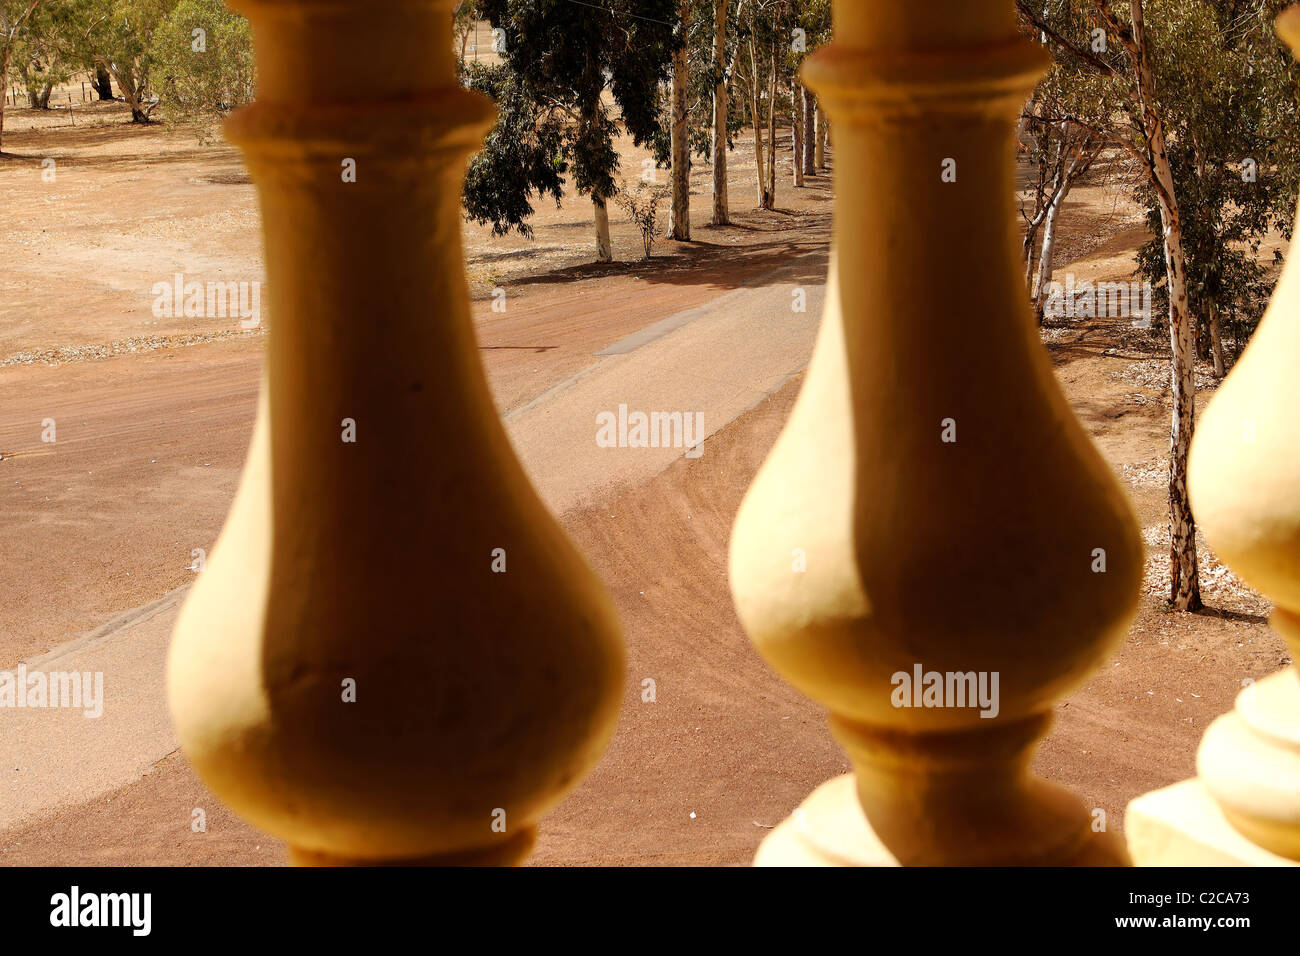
522, 157
812, 19
14, 17
1118, 49
1224, 60
698, 119
36, 57
679, 222
1196, 87
720, 66
203, 58
117, 36
464, 17
766, 31
564, 58
1061, 153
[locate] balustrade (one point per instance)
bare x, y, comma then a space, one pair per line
357, 672
356, 675
955, 518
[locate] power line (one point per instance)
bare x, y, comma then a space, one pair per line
620, 13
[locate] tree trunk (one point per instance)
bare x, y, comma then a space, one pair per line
103, 83
1046, 264
4, 78
132, 94
1184, 585
1216, 340
823, 134
796, 134
6, 59
1029, 250
760, 160
1067, 173
769, 197
679, 218
721, 206
33, 97
604, 248
1184, 581
809, 132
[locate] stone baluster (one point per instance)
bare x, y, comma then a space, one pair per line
933, 504
395, 655
1243, 808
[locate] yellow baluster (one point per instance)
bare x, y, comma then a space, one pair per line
949, 511
1244, 481
395, 654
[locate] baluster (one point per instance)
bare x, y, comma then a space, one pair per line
1244, 479
415, 566
949, 510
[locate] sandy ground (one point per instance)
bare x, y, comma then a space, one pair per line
150, 444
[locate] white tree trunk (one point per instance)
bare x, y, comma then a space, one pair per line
604, 248
1046, 263
796, 133
679, 221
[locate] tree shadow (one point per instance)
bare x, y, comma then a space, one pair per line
1224, 614
724, 266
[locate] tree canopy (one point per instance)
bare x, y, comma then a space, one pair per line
566, 63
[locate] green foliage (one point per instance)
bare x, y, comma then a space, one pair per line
1234, 147
118, 35
1226, 90
563, 58
522, 157
704, 72
36, 57
203, 77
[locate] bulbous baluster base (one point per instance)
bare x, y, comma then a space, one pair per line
967, 798
830, 829
511, 851
1250, 762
